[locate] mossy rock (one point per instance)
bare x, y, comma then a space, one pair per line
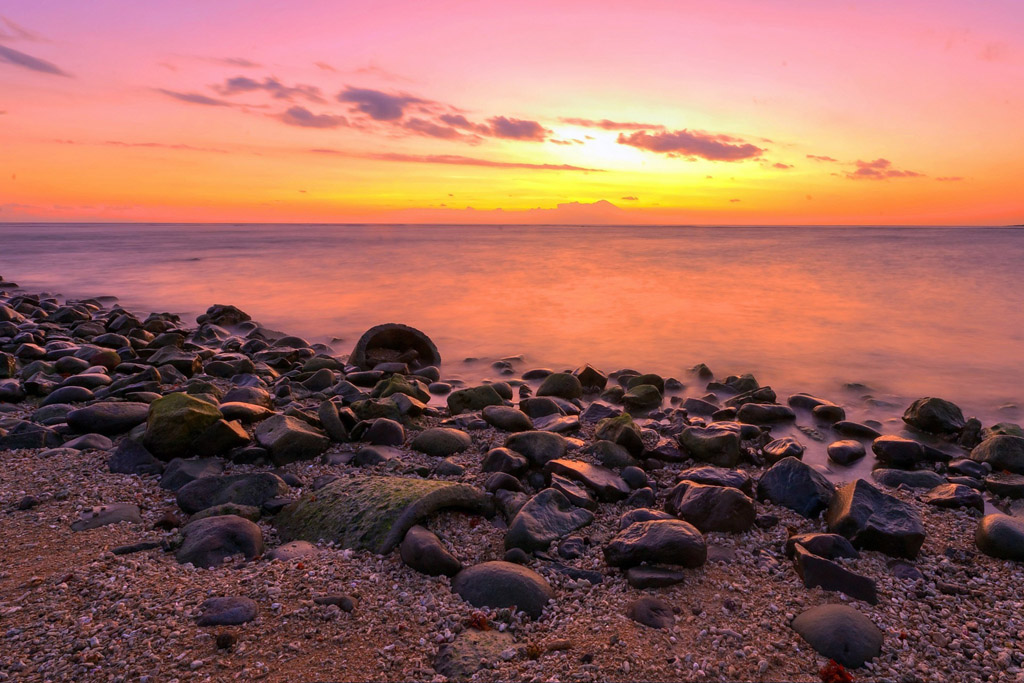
623, 431
562, 385
373, 513
641, 398
473, 398
396, 384
371, 409
174, 422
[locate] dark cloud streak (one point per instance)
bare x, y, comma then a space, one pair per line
16, 58
692, 144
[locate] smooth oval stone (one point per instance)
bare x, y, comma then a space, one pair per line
503, 584
954, 496
442, 442
1001, 536
424, 552
785, 447
507, 418
897, 451
846, 451
208, 542
228, 611
841, 633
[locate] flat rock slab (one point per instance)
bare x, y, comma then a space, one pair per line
608, 486
102, 515
659, 541
228, 611
841, 633
712, 508
651, 612
470, 651
503, 584
547, 517
108, 417
832, 576
373, 512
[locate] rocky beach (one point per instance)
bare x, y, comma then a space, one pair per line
216, 500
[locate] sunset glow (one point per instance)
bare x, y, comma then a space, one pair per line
738, 112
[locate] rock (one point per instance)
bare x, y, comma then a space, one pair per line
935, 416
219, 438
621, 430
560, 424
242, 489
473, 398
538, 447
292, 551
208, 542
87, 442
918, 479
442, 442
223, 315
108, 417
562, 385
507, 418
498, 481
131, 457
332, 423
27, 435
572, 548
718, 443
608, 486
591, 378
254, 396
634, 477
642, 398
545, 518
599, 410
653, 577
829, 546
898, 452
641, 498
969, 468
344, 602
373, 512
383, 432
786, 447
658, 541
394, 342
820, 572
504, 460
539, 407
503, 584
470, 652
424, 552
954, 496
845, 452
1001, 536
180, 472
187, 364
1005, 485
841, 633
103, 515
874, 520
652, 612
175, 422
290, 439
248, 512
69, 394
797, 486
1002, 452
711, 508
855, 430
698, 406
764, 413
229, 611
718, 476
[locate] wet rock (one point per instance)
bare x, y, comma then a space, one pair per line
179, 471
424, 552
393, 342
331, 420
208, 542
108, 417
820, 572
1005, 485
608, 486
591, 378
641, 398
919, 479
223, 315
255, 396
855, 430
289, 439
86, 442
711, 508
954, 496
829, 546
1001, 536
507, 418
102, 515
69, 394
873, 520
220, 437
845, 452
473, 398
797, 486
471, 651
574, 493
383, 432
897, 451
717, 444
634, 477
538, 447
228, 611
373, 512
442, 442
659, 541
547, 517
786, 447
175, 422
242, 489
559, 424
841, 633
719, 476
652, 612
935, 416
539, 407
621, 430
562, 385
599, 410
504, 460
1001, 452
503, 584
969, 468
764, 413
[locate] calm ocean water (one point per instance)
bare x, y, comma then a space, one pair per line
906, 311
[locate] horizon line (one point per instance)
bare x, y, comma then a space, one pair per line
533, 225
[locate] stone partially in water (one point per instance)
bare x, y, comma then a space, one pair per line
934, 415
785, 447
1002, 452
898, 452
392, 342
473, 398
373, 512
846, 451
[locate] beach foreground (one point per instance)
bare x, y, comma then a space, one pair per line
218, 501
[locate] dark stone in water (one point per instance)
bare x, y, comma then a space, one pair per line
935, 416
845, 452
394, 342
897, 451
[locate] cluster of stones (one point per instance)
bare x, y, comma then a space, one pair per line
186, 404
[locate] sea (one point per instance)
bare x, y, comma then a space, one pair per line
896, 312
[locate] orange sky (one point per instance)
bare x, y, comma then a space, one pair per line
734, 112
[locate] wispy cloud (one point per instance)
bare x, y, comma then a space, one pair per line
20, 59
605, 124
692, 145
270, 85
164, 145
431, 129
950, 179
378, 105
517, 129
240, 62
194, 98
819, 157
879, 169
455, 160
11, 32
782, 166
304, 118
629, 198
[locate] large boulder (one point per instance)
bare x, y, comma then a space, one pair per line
711, 508
108, 417
897, 451
717, 444
841, 633
622, 431
208, 542
796, 485
393, 342
1002, 452
503, 584
290, 439
241, 489
547, 517
873, 520
934, 415
561, 385
657, 541
175, 422
373, 512
1001, 536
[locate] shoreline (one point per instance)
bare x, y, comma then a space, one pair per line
76, 609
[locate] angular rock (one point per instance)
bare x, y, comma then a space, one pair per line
331, 420
841, 633
651, 611
873, 520
242, 489
503, 584
718, 476
845, 452
897, 451
591, 378
290, 439
786, 447
718, 443
174, 422
608, 486
504, 460
131, 457
219, 438
711, 508
954, 496
538, 447
545, 518
797, 486
473, 398
659, 541
562, 385
179, 471
621, 430
819, 572
829, 546
208, 542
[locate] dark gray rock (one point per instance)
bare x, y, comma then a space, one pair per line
653, 577
503, 584
786, 447
717, 444
855, 430
817, 571
840, 633
538, 447
970, 468
954, 496
392, 342
384, 432
95, 442
507, 418
651, 611
1001, 452
764, 413
898, 452
220, 437
642, 398
873, 520
70, 394
1001, 536
228, 611
473, 398
829, 546
547, 517
208, 542
562, 385
442, 442
845, 452
1005, 485
711, 508
504, 460
424, 552
641, 515
289, 439
797, 486
934, 415
718, 476
660, 541
179, 472
242, 489
917, 479
623, 431
608, 486
108, 417
599, 410
471, 651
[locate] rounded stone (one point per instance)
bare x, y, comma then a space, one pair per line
503, 584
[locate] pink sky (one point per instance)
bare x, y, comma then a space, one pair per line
647, 112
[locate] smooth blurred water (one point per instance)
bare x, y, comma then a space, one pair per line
907, 311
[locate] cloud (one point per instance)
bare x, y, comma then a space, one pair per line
274, 87
780, 165
194, 98
455, 160
11, 56
163, 145
379, 106
460, 121
879, 169
605, 124
817, 157
630, 198
692, 145
304, 118
517, 129
16, 32
950, 179
431, 129
240, 62
325, 66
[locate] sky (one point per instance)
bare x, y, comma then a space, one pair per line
647, 112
